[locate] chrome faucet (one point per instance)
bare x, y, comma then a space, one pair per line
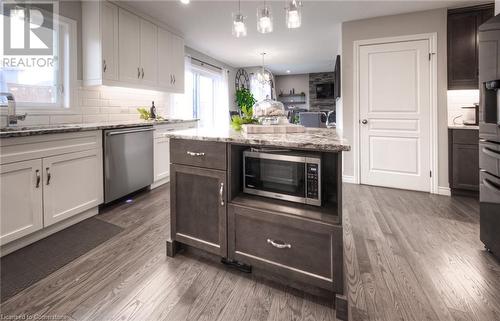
12, 117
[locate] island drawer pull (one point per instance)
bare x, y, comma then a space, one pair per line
279, 244
195, 153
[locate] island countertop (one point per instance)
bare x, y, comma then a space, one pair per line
317, 139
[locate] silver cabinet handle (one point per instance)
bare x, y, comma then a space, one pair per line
195, 154
138, 72
142, 73
171, 79
104, 65
221, 194
38, 178
49, 176
279, 245
121, 132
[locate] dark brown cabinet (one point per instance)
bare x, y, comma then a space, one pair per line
198, 207
463, 24
464, 161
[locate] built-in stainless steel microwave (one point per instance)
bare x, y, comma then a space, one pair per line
284, 175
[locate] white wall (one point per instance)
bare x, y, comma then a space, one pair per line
497, 7
391, 26
298, 82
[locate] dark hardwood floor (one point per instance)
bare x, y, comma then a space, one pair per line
409, 256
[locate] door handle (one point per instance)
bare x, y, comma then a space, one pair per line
279, 245
129, 131
171, 79
104, 65
138, 72
49, 176
195, 154
38, 178
142, 73
221, 194
174, 79
364, 121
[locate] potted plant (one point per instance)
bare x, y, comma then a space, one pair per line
245, 101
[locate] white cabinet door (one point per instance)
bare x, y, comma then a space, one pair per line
165, 77
21, 199
149, 54
178, 62
161, 158
129, 26
72, 184
109, 33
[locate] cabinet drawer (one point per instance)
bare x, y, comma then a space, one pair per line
489, 157
300, 249
198, 153
465, 136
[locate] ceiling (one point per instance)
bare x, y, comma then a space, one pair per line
206, 27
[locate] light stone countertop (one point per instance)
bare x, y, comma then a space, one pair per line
31, 130
317, 139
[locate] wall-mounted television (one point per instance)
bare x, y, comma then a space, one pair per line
325, 90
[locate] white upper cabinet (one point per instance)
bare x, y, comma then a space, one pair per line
120, 48
109, 19
129, 44
170, 61
149, 53
100, 42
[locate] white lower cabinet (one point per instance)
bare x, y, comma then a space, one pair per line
71, 185
45, 180
161, 158
21, 199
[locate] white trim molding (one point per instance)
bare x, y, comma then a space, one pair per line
446, 191
349, 179
432, 38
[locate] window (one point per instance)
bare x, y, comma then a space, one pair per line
205, 96
44, 83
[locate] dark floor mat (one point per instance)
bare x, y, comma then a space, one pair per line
30, 264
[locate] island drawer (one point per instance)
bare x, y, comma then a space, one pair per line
198, 153
302, 249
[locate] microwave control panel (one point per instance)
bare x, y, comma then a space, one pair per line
312, 181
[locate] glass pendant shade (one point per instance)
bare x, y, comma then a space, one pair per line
239, 27
264, 19
293, 15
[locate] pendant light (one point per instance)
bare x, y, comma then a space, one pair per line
264, 19
294, 14
239, 27
263, 76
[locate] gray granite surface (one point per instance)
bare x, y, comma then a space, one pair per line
21, 130
473, 127
318, 139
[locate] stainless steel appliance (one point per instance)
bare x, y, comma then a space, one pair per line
128, 161
489, 134
281, 174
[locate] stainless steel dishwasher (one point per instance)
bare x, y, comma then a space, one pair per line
128, 161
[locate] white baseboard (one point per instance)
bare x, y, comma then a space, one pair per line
348, 179
444, 191
160, 182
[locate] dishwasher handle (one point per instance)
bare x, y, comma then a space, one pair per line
121, 132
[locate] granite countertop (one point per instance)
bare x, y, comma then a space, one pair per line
473, 127
319, 139
21, 131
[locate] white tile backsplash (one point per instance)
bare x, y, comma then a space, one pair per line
103, 104
458, 99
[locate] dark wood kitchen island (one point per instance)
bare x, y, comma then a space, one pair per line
298, 244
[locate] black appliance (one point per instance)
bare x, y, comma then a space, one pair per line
282, 174
489, 134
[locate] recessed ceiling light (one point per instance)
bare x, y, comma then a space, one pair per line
288, 71
185, 1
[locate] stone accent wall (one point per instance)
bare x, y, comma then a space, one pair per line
320, 104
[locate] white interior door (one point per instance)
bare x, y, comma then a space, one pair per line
395, 114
